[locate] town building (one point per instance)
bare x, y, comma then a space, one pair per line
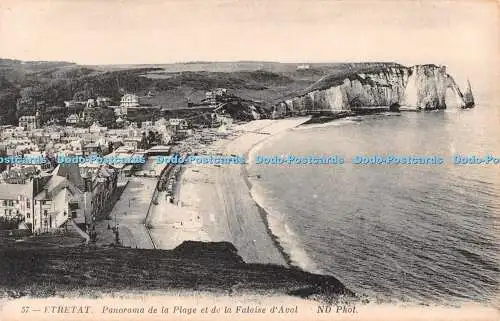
146, 124
178, 123
127, 101
214, 96
97, 128
120, 122
49, 200
73, 119
9, 199
16, 202
18, 175
91, 103
56, 200
30, 122
133, 142
74, 104
103, 101
91, 149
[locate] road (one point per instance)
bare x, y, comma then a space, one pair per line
130, 212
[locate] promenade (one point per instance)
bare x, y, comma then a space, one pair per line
129, 213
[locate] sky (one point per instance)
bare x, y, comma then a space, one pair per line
464, 35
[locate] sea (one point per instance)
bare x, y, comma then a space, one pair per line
419, 233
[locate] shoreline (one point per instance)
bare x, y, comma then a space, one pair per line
262, 211
215, 203
211, 210
264, 215
272, 130
293, 253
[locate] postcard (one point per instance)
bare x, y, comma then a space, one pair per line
249, 160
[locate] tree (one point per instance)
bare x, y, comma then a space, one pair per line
8, 106
30, 96
81, 95
143, 144
3, 166
153, 138
106, 117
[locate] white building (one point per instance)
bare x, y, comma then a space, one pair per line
90, 103
103, 101
97, 128
180, 123
30, 122
212, 96
72, 119
9, 199
146, 124
128, 101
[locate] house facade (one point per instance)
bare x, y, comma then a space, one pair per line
56, 200
29, 122
73, 119
126, 102
9, 199
49, 201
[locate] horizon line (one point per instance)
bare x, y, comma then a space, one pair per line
199, 62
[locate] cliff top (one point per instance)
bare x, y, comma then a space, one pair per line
45, 270
338, 78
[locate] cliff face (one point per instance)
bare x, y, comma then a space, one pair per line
421, 87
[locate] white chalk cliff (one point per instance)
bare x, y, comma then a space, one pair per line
421, 87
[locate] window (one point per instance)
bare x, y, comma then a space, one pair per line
73, 214
45, 212
11, 203
28, 205
5, 212
28, 215
4, 203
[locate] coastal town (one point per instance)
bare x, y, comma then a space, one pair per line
56, 186
53, 196
211, 160
93, 166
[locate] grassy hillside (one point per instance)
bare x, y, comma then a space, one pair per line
336, 74
28, 86
338, 77
51, 269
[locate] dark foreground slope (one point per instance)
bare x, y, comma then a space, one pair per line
193, 266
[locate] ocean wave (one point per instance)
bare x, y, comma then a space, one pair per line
285, 235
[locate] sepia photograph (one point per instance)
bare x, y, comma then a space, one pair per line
249, 160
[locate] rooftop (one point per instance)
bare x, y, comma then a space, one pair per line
71, 172
13, 191
159, 148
